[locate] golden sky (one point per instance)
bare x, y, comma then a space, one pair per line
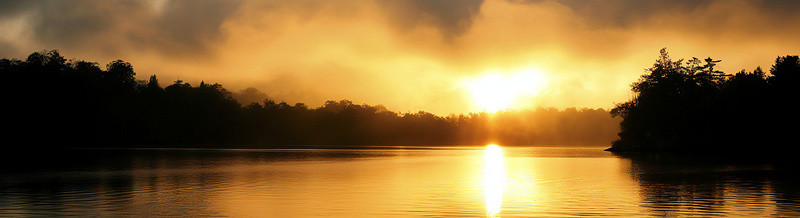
438, 56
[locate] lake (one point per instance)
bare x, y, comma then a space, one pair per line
391, 181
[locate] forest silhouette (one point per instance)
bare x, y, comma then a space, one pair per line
55, 102
688, 105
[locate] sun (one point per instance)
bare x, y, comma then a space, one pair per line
495, 91
491, 92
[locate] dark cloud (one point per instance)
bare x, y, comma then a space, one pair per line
184, 26
193, 22
778, 7
113, 26
10, 8
71, 24
453, 17
626, 13
623, 13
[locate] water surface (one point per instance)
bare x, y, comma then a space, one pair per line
415, 181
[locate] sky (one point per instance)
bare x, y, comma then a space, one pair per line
440, 56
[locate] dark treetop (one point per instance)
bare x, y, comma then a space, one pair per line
55, 102
690, 106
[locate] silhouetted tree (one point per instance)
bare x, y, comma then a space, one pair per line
695, 107
60, 103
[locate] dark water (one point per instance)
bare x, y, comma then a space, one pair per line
420, 181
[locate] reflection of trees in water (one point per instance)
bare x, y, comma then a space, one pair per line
787, 191
681, 185
154, 182
56, 196
148, 182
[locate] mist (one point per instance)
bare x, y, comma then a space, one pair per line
408, 55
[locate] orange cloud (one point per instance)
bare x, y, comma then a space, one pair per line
407, 55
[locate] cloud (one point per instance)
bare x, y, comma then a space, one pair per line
10, 8
408, 55
452, 17
116, 27
182, 26
624, 13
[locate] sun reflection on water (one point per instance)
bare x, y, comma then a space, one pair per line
493, 179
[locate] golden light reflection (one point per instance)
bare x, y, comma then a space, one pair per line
493, 179
493, 92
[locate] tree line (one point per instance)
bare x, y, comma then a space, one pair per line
55, 102
688, 105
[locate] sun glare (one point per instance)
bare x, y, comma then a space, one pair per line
493, 179
494, 92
